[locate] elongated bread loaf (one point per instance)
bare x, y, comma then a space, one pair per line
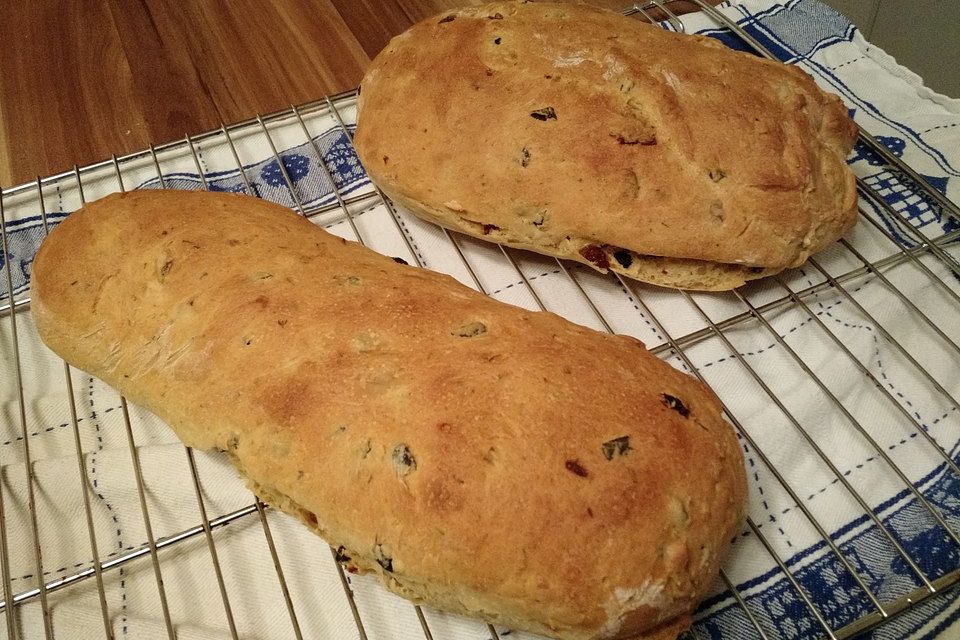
475, 456
584, 134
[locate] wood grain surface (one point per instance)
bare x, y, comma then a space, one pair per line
83, 79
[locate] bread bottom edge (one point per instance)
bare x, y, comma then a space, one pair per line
355, 562
678, 273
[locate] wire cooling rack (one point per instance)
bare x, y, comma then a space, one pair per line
886, 259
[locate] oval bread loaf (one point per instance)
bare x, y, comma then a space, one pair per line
477, 457
584, 134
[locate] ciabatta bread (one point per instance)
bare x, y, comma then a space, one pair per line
475, 456
584, 134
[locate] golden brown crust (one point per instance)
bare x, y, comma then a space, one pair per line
566, 128
476, 456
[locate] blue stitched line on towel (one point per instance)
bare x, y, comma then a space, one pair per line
113, 514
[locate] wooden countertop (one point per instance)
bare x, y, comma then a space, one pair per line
83, 80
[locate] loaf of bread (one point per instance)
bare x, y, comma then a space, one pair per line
477, 457
584, 134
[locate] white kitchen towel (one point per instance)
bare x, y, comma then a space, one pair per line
906, 404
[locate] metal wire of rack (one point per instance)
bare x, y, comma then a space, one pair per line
719, 320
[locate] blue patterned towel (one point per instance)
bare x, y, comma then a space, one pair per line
901, 409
